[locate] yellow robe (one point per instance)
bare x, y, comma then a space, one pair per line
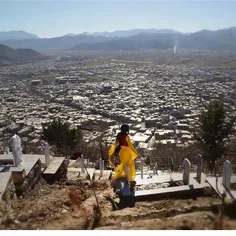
127, 156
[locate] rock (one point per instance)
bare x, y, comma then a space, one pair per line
8, 220
23, 217
76, 215
165, 185
208, 191
187, 208
65, 207
178, 210
17, 222
64, 211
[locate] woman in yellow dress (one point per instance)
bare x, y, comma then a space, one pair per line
127, 153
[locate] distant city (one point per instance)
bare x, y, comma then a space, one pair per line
160, 101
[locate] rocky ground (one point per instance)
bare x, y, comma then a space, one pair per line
72, 205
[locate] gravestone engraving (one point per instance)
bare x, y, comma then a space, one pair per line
227, 171
186, 174
199, 168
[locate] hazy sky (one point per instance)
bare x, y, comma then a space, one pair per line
55, 18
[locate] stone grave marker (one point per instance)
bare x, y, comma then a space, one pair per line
17, 150
82, 164
227, 171
199, 168
47, 154
141, 168
186, 174
101, 165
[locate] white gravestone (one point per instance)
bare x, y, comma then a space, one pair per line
17, 150
101, 165
227, 171
199, 168
82, 164
47, 154
186, 175
141, 168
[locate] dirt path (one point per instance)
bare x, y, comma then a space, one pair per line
72, 205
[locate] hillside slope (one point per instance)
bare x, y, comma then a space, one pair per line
10, 54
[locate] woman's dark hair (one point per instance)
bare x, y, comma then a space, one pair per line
124, 129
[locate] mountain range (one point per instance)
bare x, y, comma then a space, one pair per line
224, 39
127, 33
16, 35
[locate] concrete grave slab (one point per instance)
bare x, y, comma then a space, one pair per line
97, 175
91, 172
170, 191
158, 178
219, 187
72, 175
106, 175
5, 177
54, 165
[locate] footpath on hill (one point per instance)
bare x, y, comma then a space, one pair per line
72, 205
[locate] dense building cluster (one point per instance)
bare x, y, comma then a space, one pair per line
161, 102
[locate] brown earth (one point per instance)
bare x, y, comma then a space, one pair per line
72, 205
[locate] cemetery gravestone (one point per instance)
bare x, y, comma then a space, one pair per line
82, 164
186, 175
101, 164
199, 168
141, 168
227, 171
17, 150
47, 154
